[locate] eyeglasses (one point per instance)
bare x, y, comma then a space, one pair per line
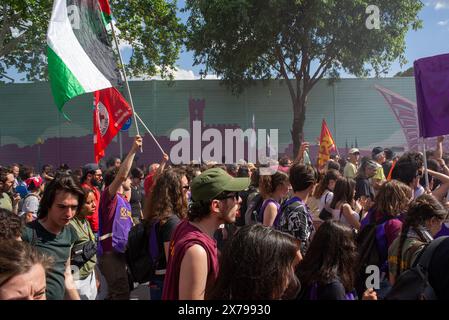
236, 196
186, 187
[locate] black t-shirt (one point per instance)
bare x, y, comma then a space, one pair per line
165, 232
363, 188
56, 246
136, 201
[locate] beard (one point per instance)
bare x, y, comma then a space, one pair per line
229, 213
97, 183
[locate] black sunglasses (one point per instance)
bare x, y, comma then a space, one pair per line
235, 195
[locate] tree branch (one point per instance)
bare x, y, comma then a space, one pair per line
283, 72
317, 77
5, 26
12, 44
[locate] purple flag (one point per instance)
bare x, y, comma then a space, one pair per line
432, 95
405, 112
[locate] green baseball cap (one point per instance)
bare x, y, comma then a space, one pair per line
212, 182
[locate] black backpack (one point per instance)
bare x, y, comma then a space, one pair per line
372, 249
324, 213
142, 251
252, 212
413, 284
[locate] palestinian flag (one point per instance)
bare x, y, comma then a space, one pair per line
80, 56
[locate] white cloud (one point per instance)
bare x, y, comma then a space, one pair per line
178, 74
122, 44
442, 4
443, 23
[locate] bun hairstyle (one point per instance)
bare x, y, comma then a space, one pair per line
269, 183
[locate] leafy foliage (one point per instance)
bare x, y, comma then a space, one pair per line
151, 27
300, 41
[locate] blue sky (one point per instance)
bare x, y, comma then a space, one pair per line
432, 39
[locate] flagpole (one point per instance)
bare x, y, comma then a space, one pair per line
148, 130
120, 144
426, 176
126, 78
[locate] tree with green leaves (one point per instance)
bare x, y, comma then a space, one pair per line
300, 41
410, 72
151, 27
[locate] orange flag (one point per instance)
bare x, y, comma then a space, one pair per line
327, 144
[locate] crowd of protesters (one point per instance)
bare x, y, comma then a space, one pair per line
225, 231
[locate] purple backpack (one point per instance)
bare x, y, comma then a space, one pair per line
444, 231
122, 224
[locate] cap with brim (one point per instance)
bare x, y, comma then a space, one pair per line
213, 182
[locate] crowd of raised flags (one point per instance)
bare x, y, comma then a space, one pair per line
190, 231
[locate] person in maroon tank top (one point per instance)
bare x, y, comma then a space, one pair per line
193, 262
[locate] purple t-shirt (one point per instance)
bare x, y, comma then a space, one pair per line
106, 214
392, 226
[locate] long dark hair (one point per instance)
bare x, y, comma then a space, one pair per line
331, 255
322, 186
64, 183
343, 191
257, 264
421, 209
166, 197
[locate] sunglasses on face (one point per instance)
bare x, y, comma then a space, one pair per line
229, 196
186, 187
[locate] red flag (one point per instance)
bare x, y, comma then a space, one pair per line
110, 113
326, 145
105, 10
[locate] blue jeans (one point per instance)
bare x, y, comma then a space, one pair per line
156, 286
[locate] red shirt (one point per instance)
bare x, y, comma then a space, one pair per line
93, 219
148, 183
185, 236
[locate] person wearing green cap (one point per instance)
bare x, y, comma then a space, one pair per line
193, 257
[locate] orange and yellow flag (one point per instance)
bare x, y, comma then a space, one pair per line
327, 144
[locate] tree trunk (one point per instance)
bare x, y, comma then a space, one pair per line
299, 117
